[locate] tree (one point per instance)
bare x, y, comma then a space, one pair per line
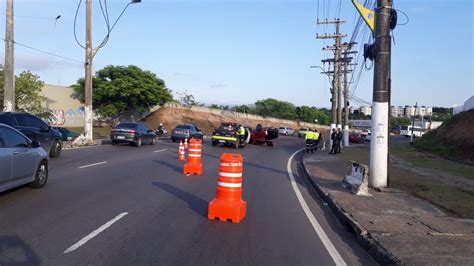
275, 108
310, 114
27, 93
399, 121
120, 90
187, 99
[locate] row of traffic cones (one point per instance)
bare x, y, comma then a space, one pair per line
228, 203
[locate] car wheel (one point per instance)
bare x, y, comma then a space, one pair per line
138, 143
114, 142
173, 140
41, 175
236, 145
56, 149
214, 143
153, 141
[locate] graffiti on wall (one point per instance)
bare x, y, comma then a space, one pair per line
69, 117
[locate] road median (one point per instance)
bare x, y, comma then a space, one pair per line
392, 225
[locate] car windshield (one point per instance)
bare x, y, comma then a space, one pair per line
127, 125
183, 127
227, 126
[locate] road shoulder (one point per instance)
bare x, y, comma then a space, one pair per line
392, 226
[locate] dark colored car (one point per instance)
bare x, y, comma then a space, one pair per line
67, 135
355, 137
36, 130
132, 133
181, 132
22, 161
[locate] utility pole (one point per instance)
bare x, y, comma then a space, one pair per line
88, 116
378, 170
346, 97
336, 116
413, 124
9, 83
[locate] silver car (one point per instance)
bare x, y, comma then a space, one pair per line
22, 161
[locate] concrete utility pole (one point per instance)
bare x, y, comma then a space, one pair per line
413, 124
378, 170
336, 115
346, 98
88, 119
9, 85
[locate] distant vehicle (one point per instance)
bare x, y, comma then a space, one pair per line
35, 129
67, 135
355, 137
302, 132
132, 133
287, 131
161, 131
227, 134
22, 161
263, 135
407, 131
181, 132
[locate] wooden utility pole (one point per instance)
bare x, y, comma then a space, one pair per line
336, 116
378, 170
88, 115
9, 74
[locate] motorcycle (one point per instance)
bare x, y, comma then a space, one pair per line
161, 132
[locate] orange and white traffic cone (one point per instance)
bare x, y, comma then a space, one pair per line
181, 154
228, 203
185, 143
194, 164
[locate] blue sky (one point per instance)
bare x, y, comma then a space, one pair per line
236, 52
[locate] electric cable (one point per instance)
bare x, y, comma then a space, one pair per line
75, 21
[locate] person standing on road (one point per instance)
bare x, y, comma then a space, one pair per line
333, 138
315, 139
320, 139
339, 140
241, 133
309, 140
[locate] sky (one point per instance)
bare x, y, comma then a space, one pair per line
240, 51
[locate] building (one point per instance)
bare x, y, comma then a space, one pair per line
365, 110
66, 111
468, 105
396, 111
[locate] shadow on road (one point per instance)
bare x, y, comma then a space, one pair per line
173, 167
195, 203
14, 251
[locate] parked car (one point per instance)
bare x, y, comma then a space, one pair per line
132, 133
67, 135
36, 130
228, 135
22, 161
356, 137
302, 132
288, 131
181, 132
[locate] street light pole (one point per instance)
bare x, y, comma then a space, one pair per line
9, 82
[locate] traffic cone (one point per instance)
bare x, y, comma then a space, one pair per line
185, 143
181, 155
228, 203
194, 164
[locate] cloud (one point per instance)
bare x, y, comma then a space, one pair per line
218, 85
41, 63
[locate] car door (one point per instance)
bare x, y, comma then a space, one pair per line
41, 131
23, 159
148, 132
6, 155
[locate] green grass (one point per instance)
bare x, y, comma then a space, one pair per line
98, 132
430, 143
424, 160
452, 199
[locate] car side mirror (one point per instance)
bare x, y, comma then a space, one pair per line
35, 144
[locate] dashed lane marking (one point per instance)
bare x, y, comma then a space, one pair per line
90, 165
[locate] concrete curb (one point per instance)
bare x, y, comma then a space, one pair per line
365, 240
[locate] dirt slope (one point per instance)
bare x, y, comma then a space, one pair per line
171, 117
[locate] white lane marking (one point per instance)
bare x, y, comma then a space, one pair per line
316, 226
90, 165
161, 150
94, 233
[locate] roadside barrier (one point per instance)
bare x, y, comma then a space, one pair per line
228, 203
194, 164
181, 155
357, 179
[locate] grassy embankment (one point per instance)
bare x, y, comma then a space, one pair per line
456, 201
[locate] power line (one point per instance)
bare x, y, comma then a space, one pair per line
44, 52
34, 17
75, 21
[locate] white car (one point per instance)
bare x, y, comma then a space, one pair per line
287, 131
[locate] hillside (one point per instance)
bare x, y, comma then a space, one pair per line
454, 138
206, 121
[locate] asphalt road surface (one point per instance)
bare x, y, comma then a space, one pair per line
122, 205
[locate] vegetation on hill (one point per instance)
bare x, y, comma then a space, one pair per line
453, 139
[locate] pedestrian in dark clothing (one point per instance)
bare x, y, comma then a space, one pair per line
338, 140
334, 141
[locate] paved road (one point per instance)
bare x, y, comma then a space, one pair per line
155, 215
